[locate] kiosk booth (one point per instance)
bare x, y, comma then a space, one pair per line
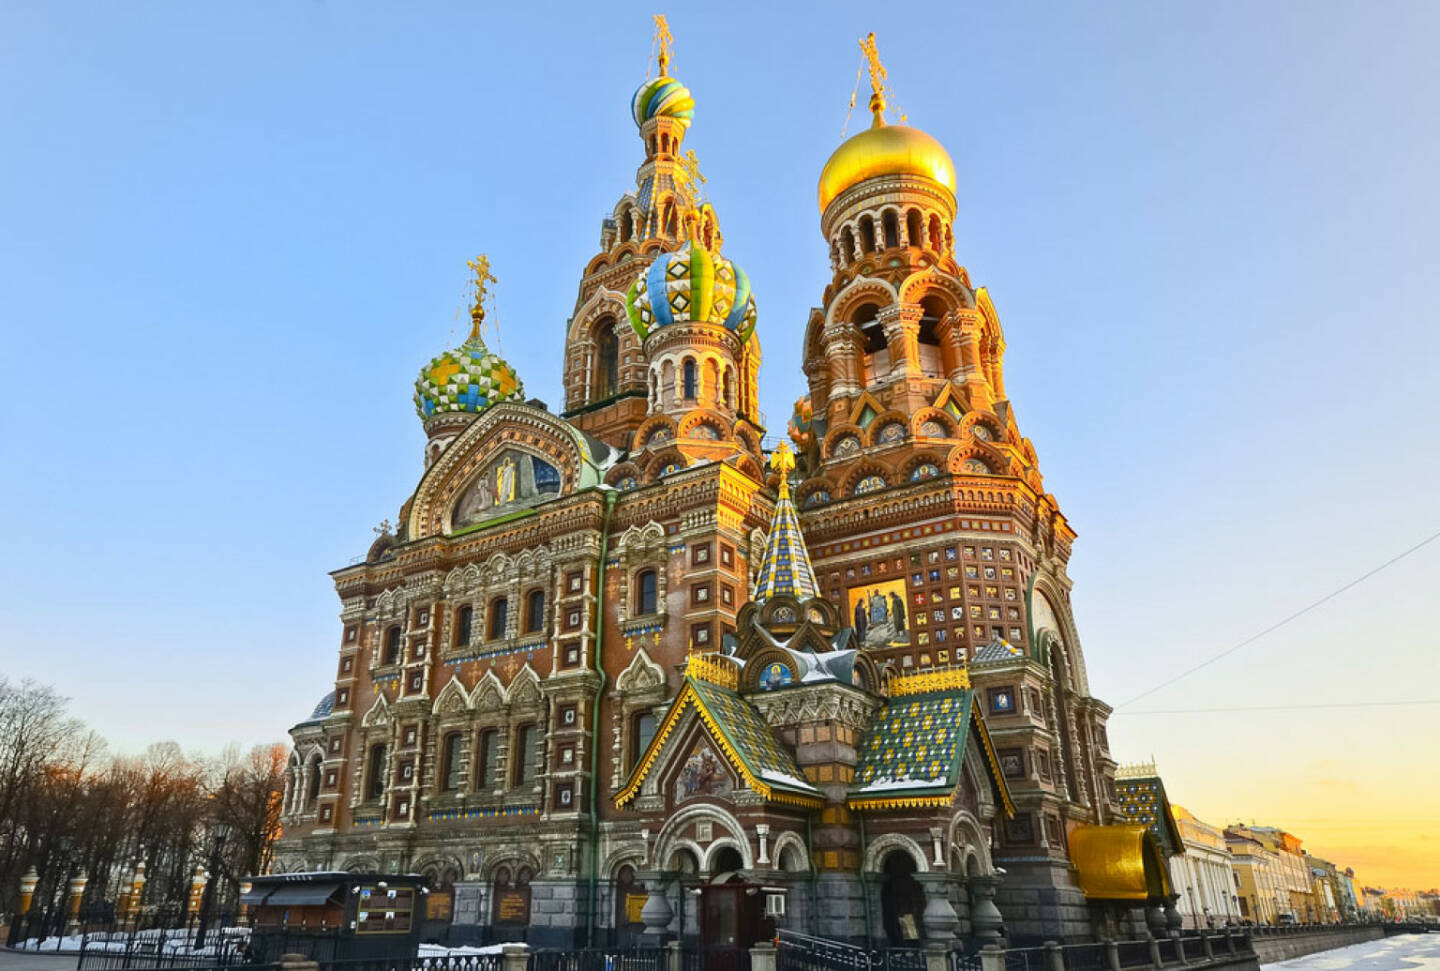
335, 916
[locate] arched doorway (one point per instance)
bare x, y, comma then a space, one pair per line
510, 910
902, 900
629, 901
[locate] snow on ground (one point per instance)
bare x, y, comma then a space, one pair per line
441, 951
1403, 952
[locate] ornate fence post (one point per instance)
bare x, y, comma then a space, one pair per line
1054, 956
514, 957
1112, 955
77, 892
992, 958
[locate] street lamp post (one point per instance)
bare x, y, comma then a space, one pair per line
207, 897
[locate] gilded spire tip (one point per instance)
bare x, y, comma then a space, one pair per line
663, 40
877, 80
480, 266
782, 461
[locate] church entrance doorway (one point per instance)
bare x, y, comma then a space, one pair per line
902, 900
730, 916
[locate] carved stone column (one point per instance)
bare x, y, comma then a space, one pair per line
901, 323
842, 348
986, 923
940, 919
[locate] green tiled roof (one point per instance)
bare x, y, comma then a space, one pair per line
751, 738
914, 747
1143, 803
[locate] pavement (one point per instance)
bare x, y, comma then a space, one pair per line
30, 961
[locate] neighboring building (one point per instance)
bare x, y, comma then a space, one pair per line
1325, 888
1203, 875
1258, 887
1293, 875
604, 660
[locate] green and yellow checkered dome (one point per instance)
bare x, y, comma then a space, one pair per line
691, 284
467, 379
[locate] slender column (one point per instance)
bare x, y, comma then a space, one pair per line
902, 331
842, 347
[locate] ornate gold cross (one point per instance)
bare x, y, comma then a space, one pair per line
663, 40
877, 78
480, 266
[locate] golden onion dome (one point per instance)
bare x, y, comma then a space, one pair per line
885, 150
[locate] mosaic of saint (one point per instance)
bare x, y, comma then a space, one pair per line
877, 612
514, 480
702, 775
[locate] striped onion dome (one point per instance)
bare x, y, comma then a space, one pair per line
467, 379
662, 96
691, 284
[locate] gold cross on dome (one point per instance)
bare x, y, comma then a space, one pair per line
480, 266
877, 78
782, 461
663, 40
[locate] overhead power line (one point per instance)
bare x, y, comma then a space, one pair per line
1338, 704
1279, 624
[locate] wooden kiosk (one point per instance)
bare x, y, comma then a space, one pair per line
335, 916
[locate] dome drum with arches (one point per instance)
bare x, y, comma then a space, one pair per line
468, 379
691, 285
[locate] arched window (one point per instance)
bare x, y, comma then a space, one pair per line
607, 359
375, 773
499, 615
645, 592
891, 222
641, 735
936, 238
867, 234
464, 618
691, 381
450, 763
535, 611
312, 791
625, 226
524, 760
392, 645
915, 227
847, 246
487, 759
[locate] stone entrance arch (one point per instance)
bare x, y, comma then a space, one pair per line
902, 899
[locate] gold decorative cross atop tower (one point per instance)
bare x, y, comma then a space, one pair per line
782, 460
480, 266
877, 80
663, 40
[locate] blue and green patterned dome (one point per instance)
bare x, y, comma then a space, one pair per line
662, 96
691, 284
468, 378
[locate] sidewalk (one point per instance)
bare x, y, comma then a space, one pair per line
30, 961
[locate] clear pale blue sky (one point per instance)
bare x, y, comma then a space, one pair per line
231, 233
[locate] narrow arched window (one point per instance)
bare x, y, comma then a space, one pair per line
488, 759
464, 621
392, 645
313, 791
645, 591
534, 611
499, 616
450, 763
867, 234
642, 733
914, 228
892, 228
375, 775
847, 245
524, 761
691, 381
607, 359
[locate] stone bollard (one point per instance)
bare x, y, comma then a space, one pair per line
937, 956
513, 957
297, 962
992, 958
674, 956
1054, 957
762, 957
1208, 946
1112, 955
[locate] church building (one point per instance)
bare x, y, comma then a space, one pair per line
616, 665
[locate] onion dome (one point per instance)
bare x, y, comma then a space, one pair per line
691, 284
885, 150
802, 422
665, 97
469, 378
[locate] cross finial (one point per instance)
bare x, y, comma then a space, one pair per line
383, 529
877, 80
480, 266
782, 460
663, 40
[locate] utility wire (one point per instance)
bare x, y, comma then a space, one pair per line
1276, 626
1338, 704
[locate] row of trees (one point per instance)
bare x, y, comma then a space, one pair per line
68, 806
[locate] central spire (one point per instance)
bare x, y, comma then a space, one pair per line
877, 81
785, 569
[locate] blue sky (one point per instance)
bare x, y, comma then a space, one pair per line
231, 234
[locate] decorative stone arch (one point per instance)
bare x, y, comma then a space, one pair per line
641, 674
967, 839
996, 427
646, 437
833, 437
513, 857
621, 473
740, 846
788, 842
437, 864
936, 459
714, 420
862, 290
751, 466
378, 715
655, 463
811, 486
930, 280
391, 604
461, 580
882, 846
669, 838
453, 699
361, 863
864, 471
525, 691
888, 417
998, 461
924, 415
488, 695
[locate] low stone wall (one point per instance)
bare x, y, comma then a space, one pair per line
1272, 949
